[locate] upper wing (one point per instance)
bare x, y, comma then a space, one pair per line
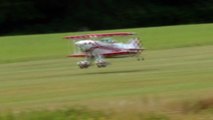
89, 36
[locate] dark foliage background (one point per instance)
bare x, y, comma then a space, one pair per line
43, 16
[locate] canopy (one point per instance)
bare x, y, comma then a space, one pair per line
88, 36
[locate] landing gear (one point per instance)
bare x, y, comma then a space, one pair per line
83, 64
101, 63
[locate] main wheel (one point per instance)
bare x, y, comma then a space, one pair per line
83, 64
101, 63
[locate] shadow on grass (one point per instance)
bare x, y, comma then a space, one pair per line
88, 73
116, 72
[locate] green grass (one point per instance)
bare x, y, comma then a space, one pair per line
174, 82
68, 114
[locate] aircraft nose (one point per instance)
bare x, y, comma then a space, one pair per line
78, 43
82, 45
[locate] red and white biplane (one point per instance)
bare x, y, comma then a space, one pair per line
96, 47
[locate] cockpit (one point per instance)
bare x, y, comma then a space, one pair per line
107, 40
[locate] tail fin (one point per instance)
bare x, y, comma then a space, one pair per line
135, 43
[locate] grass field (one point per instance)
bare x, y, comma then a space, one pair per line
174, 82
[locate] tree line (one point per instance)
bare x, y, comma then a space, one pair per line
44, 16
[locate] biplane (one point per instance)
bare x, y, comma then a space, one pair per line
96, 47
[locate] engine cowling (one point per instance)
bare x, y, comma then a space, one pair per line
85, 45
